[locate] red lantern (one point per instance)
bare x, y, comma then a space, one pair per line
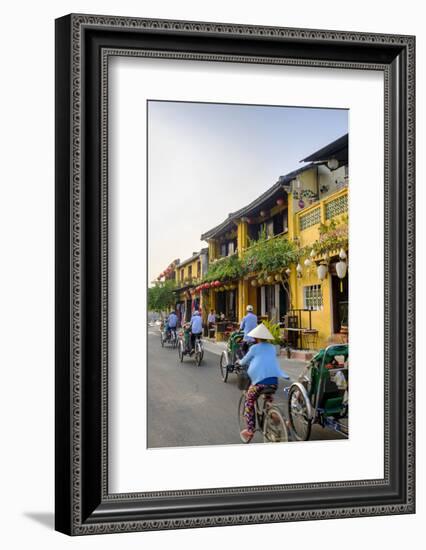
207, 285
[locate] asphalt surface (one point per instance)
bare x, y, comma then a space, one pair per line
192, 406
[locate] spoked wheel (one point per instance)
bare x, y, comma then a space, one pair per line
241, 418
180, 351
162, 340
274, 427
298, 413
223, 365
198, 353
173, 340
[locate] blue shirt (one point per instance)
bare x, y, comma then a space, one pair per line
196, 324
263, 363
248, 323
172, 321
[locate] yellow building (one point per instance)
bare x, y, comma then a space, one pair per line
312, 302
187, 275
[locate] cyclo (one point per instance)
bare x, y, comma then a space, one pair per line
229, 357
320, 395
184, 345
168, 335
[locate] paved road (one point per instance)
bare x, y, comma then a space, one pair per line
190, 405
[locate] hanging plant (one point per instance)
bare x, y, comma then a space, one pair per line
333, 237
224, 269
268, 255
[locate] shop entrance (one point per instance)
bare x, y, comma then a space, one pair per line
272, 302
340, 294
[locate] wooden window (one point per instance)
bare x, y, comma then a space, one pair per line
312, 297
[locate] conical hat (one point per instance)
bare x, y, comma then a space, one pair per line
261, 332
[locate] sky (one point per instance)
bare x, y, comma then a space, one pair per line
206, 160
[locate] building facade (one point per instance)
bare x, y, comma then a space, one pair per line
303, 219
296, 208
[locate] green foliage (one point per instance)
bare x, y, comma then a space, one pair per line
224, 269
332, 236
161, 297
268, 255
274, 329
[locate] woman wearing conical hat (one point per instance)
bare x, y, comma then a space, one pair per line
263, 371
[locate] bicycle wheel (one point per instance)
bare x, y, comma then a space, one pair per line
198, 354
274, 427
298, 413
223, 365
180, 351
241, 418
162, 340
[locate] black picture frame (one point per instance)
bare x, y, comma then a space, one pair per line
83, 45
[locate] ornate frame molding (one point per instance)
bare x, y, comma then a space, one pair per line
72, 45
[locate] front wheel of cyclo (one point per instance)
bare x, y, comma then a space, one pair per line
223, 365
298, 413
180, 350
198, 353
274, 426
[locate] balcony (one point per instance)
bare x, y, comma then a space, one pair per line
321, 211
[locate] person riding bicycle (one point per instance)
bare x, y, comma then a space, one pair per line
196, 326
172, 321
263, 371
248, 323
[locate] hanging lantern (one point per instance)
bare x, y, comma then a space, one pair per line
253, 282
269, 279
341, 268
278, 277
260, 281
221, 288
249, 220
244, 219
301, 203
333, 164
307, 262
299, 270
322, 270
217, 284
342, 254
280, 201
263, 213
288, 271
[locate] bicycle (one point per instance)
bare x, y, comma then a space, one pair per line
268, 418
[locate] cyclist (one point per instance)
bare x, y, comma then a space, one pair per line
196, 326
248, 323
263, 372
172, 322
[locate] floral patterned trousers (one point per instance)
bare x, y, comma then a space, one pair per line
252, 394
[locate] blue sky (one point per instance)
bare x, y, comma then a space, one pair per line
206, 160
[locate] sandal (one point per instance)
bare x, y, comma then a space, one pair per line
246, 436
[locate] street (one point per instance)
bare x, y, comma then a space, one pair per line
190, 405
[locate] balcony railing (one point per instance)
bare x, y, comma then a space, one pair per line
323, 210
